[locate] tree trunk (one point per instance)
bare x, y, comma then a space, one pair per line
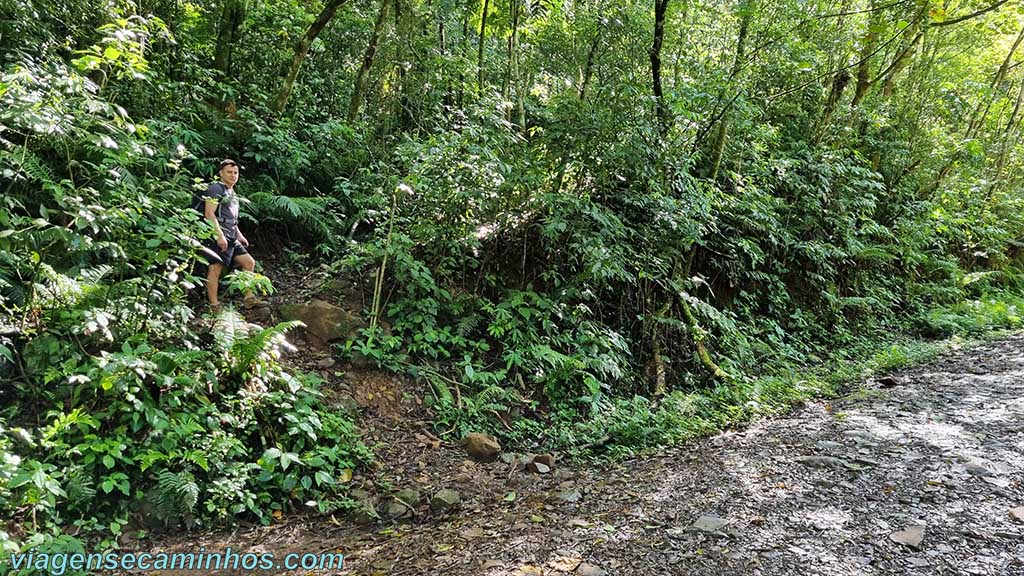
867, 48
901, 61
661, 107
442, 46
301, 49
464, 49
480, 49
228, 29
364, 71
718, 147
978, 116
1011, 127
588, 69
510, 65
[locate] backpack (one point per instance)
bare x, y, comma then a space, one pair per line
199, 201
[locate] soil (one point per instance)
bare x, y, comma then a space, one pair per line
917, 472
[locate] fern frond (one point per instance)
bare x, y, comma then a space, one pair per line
247, 351
176, 493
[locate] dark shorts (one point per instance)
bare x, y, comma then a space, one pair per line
214, 255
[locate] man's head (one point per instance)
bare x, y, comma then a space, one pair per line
228, 172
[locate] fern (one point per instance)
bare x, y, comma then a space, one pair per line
315, 213
244, 346
80, 487
176, 493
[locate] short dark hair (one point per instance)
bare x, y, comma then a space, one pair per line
227, 162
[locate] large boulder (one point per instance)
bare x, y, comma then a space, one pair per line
323, 319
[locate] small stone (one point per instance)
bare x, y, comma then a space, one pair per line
585, 569
538, 467
409, 497
364, 514
911, 536
708, 524
978, 470
445, 500
918, 562
998, 482
1017, 513
326, 362
830, 446
482, 447
570, 496
821, 461
545, 459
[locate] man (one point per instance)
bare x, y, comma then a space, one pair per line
221, 209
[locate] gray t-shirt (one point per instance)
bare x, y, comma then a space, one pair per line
227, 208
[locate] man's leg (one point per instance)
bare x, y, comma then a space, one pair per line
213, 284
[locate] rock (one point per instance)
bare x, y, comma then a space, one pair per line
404, 503
708, 523
570, 496
911, 536
445, 501
830, 446
482, 447
821, 461
364, 513
1017, 513
397, 509
259, 314
888, 381
537, 467
541, 464
409, 496
545, 459
325, 362
323, 320
585, 569
998, 482
976, 469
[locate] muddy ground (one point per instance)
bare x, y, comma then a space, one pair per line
918, 472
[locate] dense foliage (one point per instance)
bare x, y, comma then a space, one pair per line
580, 222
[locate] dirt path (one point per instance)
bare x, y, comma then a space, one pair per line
934, 454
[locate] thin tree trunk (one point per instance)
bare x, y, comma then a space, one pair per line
588, 69
228, 29
718, 147
364, 71
480, 49
442, 46
301, 49
978, 116
510, 64
867, 48
897, 66
661, 107
1011, 127
464, 49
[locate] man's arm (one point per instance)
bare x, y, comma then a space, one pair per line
211, 215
